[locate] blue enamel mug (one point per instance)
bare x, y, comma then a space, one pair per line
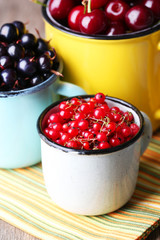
19, 111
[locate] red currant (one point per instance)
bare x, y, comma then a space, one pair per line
100, 97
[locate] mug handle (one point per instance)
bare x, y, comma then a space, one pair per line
147, 133
67, 89
157, 112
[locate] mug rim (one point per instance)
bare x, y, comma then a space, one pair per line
36, 88
126, 36
90, 152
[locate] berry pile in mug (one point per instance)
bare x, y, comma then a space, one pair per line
90, 124
25, 60
107, 17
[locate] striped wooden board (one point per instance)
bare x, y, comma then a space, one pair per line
25, 203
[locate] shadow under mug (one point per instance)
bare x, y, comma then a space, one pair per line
19, 140
93, 182
125, 66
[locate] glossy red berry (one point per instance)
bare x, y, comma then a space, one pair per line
115, 28
100, 97
135, 128
154, 5
94, 22
98, 3
139, 17
74, 16
99, 113
104, 145
101, 136
116, 9
59, 9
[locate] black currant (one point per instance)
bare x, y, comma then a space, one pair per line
21, 27
45, 63
36, 80
3, 50
9, 32
27, 67
9, 77
5, 62
16, 51
42, 46
28, 40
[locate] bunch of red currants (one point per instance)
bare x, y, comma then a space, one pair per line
90, 124
107, 17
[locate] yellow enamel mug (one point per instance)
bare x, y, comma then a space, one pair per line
125, 66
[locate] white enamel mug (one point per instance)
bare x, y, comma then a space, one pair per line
93, 182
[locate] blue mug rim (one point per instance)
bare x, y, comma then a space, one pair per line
34, 89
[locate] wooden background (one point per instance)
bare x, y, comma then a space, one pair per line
22, 10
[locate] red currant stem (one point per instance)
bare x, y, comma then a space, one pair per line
57, 73
38, 2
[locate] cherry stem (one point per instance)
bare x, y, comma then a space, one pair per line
89, 6
39, 2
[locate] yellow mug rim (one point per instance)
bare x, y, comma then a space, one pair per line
67, 30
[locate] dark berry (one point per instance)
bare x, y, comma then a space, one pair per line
10, 32
36, 80
45, 63
28, 40
27, 67
3, 50
21, 27
42, 46
16, 51
5, 62
9, 77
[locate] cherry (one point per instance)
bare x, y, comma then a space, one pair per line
94, 22
154, 5
98, 4
139, 17
116, 9
74, 16
59, 9
115, 28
